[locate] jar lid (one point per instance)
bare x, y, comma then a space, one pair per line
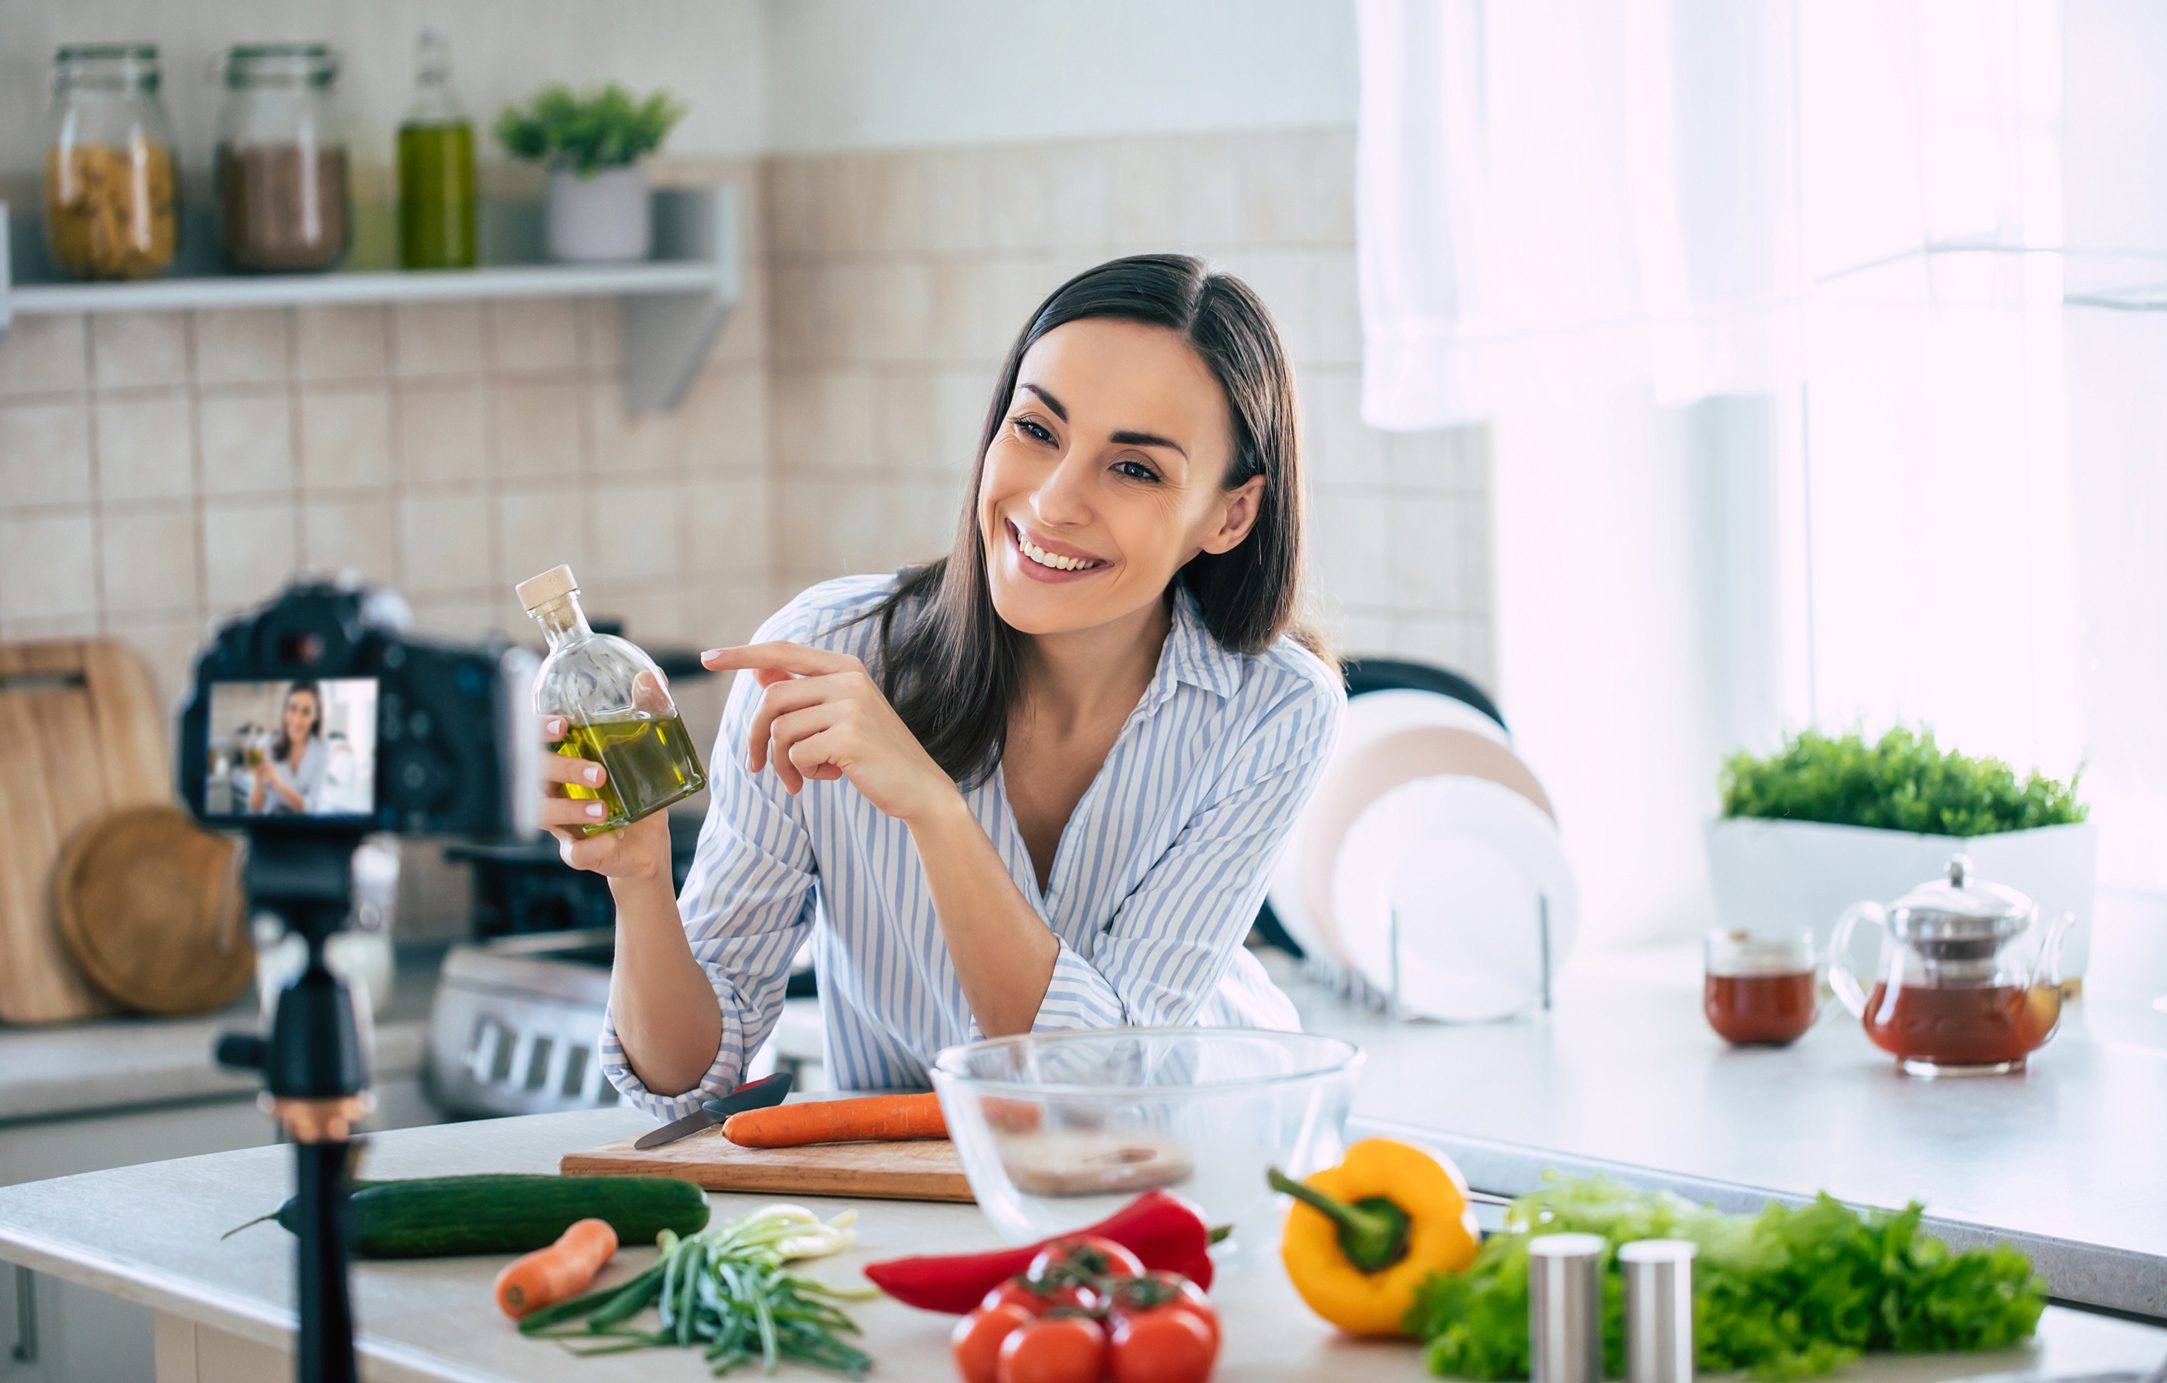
1959, 908
554, 584
107, 52
103, 63
1741, 953
250, 63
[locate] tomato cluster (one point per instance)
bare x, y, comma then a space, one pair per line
1086, 1311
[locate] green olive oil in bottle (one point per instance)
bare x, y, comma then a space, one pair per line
616, 707
437, 205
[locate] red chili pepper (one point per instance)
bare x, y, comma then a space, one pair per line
1160, 1228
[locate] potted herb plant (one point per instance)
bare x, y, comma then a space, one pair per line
1828, 821
592, 144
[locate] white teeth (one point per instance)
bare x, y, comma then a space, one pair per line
1047, 559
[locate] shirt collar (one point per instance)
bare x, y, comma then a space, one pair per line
1192, 655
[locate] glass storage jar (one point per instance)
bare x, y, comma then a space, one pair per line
112, 206
281, 167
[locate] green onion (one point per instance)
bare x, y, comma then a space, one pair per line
729, 1292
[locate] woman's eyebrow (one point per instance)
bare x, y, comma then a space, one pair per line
1126, 437
1148, 439
1050, 401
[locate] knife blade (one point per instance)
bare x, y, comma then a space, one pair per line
759, 1094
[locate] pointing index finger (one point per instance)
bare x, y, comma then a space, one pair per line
778, 656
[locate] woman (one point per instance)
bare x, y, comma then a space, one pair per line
1036, 784
288, 780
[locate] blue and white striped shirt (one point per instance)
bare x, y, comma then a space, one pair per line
1154, 885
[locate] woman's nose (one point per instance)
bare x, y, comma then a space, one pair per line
1062, 497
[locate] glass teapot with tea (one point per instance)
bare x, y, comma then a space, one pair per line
1966, 984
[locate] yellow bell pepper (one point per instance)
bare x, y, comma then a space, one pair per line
1362, 1236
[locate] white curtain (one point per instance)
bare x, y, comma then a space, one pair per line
1596, 193
1691, 262
1522, 210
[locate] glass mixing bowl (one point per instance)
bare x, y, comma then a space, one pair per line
1058, 1130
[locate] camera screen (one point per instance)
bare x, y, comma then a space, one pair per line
301, 748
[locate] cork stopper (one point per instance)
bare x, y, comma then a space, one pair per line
537, 591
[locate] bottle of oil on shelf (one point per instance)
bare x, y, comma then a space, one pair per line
437, 205
616, 707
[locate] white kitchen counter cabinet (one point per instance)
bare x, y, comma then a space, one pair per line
150, 1235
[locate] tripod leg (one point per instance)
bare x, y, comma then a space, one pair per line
327, 1313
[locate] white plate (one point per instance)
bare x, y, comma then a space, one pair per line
1382, 712
1464, 864
1369, 717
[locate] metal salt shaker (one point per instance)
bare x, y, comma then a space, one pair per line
1565, 1308
1658, 1310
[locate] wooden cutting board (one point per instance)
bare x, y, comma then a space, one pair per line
85, 734
925, 1170
152, 910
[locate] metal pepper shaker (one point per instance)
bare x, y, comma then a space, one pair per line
1658, 1310
1565, 1308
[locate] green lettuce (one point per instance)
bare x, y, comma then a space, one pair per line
1785, 1294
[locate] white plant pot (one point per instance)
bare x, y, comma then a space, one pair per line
599, 218
1798, 876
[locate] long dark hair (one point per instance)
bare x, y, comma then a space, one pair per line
283, 746
953, 668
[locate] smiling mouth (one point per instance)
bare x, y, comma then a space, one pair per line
1052, 561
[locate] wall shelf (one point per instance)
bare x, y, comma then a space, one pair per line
672, 304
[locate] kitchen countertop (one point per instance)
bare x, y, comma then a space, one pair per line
149, 1234
2063, 1160
54, 1071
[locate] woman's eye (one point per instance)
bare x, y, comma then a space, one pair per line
1033, 430
1136, 470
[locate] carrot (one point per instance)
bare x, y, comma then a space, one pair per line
559, 1272
865, 1119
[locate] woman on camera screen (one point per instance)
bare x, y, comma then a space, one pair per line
289, 776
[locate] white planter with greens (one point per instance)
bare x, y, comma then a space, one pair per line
592, 144
599, 217
1785, 877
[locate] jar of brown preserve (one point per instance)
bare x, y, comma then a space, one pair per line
1760, 991
281, 167
112, 210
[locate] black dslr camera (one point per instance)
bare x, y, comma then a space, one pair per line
311, 724
389, 732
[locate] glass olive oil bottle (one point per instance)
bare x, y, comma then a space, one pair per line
437, 205
616, 707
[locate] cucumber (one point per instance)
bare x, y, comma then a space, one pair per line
443, 1217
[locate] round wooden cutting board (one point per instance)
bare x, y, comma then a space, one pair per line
151, 908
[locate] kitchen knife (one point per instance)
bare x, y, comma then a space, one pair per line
768, 1090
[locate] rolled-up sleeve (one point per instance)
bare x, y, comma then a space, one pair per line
747, 905
1172, 940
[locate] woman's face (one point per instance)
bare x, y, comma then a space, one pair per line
300, 716
1105, 476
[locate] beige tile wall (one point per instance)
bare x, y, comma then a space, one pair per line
898, 280
161, 471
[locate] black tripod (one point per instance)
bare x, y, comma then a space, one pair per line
314, 1076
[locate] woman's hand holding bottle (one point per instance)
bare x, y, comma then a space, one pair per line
638, 851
